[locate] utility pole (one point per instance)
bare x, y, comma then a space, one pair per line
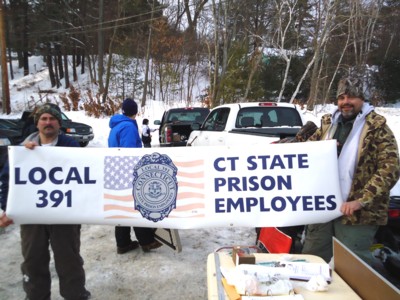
146, 73
4, 73
100, 50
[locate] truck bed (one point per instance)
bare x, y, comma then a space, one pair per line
176, 125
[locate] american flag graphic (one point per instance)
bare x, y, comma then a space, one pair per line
118, 198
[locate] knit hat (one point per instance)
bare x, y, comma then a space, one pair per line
352, 87
129, 107
49, 108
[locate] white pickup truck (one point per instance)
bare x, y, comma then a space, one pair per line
247, 124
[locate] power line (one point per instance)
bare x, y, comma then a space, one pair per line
107, 25
87, 28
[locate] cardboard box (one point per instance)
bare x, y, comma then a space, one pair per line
242, 256
363, 279
176, 137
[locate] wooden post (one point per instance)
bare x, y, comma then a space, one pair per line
4, 73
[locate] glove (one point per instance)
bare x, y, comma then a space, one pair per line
305, 132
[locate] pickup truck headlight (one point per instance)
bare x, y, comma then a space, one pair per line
70, 130
5, 141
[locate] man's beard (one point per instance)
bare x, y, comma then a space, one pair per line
348, 114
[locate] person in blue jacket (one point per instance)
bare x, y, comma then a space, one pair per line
36, 238
125, 134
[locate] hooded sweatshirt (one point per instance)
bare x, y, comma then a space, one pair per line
124, 133
348, 157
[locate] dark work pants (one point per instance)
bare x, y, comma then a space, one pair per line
358, 238
144, 235
65, 243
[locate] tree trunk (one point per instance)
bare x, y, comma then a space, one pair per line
108, 73
49, 62
20, 58
59, 62
74, 64
10, 63
25, 40
66, 71
78, 56
92, 72
285, 76
254, 66
83, 62
57, 78
7, 32
100, 46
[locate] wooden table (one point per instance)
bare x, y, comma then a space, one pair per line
337, 289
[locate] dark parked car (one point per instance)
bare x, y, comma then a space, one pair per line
17, 129
394, 214
9, 134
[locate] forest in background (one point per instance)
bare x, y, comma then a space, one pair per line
249, 50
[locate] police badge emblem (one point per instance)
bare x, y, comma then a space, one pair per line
155, 186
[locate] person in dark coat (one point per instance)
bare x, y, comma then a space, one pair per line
4, 178
36, 238
125, 134
369, 166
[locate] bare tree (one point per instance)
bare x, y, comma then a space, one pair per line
358, 27
325, 14
364, 15
284, 13
254, 63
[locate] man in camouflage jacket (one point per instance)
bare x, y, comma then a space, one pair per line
369, 167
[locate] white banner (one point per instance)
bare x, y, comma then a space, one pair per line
181, 187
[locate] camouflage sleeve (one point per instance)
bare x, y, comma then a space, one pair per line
387, 164
302, 136
326, 121
306, 131
316, 136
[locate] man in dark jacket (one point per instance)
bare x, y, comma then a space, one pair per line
125, 134
368, 160
4, 178
64, 239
